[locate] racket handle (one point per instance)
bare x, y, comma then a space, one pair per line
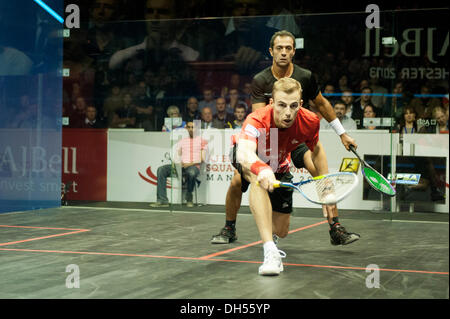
275, 184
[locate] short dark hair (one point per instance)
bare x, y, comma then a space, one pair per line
340, 102
240, 106
282, 33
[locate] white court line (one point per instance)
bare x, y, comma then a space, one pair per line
414, 221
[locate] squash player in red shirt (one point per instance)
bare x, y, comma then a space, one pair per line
262, 159
283, 50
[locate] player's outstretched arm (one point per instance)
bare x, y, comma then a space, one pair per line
327, 111
254, 169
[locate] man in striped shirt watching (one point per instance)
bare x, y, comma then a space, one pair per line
190, 152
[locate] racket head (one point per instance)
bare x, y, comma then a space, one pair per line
328, 189
378, 181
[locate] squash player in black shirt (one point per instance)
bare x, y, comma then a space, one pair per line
282, 50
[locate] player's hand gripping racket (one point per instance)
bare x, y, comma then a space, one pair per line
325, 189
374, 178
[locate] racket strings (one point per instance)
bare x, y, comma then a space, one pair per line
330, 188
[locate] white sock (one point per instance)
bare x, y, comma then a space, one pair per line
269, 246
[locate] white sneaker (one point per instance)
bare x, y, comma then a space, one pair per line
272, 263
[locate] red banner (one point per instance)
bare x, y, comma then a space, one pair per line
84, 154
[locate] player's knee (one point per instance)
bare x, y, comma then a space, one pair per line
236, 181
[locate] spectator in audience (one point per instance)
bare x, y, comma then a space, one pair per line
369, 112
176, 122
408, 124
77, 116
91, 120
425, 104
395, 104
340, 108
208, 100
247, 94
207, 118
125, 116
112, 103
347, 98
240, 113
191, 113
329, 92
378, 100
235, 100
343, 83
440, 117
28, 118
222, 118
360, 104
190, 152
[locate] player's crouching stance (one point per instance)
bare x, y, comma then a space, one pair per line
295, 125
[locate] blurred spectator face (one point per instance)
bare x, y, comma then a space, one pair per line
91, 113
206, 114
235, 81
239, 113
248, 88
190, 128
220, 105
409, 116
115, 90
192, 104
398, 88
340, 110
368, 111
158, 10
234, 95
283, 50
208, 95
24, 101
347, 97
173, 113
328, 89
363, 84
441, 117
127, 99
343, 81
104, 10
80, 104
245, 8
365, 97
424, 90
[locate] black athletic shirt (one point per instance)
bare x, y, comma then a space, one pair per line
262, 85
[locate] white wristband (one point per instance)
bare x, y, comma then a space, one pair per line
337, 126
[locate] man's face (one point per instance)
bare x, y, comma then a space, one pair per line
285, 108
347, 97
192, 104
364, 95
173, 113
207, 95
91, 113
283, 50
207, 115
340, 110
239, 113
234, 94
441, 118
81, 104
220, 104
328, 89
158, 10
190, 128
103, 10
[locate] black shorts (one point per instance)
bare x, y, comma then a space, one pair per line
280, 198
298, 154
